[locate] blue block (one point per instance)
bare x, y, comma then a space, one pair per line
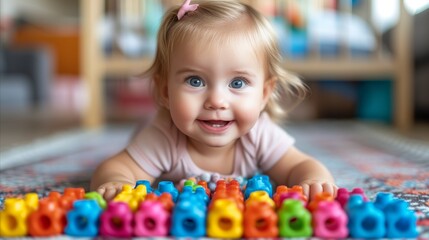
189, 218
258, 183
365, 220
199, 192
400, 221
82, 220
383, 199
146, 183
168, 187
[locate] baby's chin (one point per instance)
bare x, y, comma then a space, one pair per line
213, 141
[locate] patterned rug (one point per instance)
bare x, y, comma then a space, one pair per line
359, 155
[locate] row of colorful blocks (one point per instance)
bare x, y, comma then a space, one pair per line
195, 211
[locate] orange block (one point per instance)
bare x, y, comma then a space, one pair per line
260, 221
323, 196
48, 220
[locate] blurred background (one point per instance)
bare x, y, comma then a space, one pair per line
68, 65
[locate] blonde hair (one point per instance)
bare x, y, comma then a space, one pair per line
201, 23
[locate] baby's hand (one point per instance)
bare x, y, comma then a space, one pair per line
110, 190
313, 187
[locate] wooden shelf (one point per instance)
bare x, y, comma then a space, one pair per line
119, 65
346, 69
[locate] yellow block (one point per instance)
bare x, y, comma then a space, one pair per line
224, 220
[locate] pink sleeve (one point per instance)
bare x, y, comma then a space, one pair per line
153, 149
272, 142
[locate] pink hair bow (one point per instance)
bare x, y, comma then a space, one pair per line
186, 7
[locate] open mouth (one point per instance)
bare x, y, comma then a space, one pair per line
216, 123
215, 126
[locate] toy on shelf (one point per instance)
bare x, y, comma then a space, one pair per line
200, 207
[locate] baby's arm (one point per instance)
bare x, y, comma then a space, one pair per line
298, 168
110, 175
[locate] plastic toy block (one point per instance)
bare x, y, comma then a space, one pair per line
75, 193
205, 177
165, 199
31, 201
365, 220
199, 192
168, 187
220, 185
294, 220
13, 219
322, 196
260, 196
97, 197
82, 220
330, 220
230, 190
146, 183
193, 179
383, 199
224, 194
343, 195
260, 219
201, 184
131, 196
204, 185
48, 220
354, 200
116, 220
66, 199
189, 217
189, 183
283, 192
233, 188
359, 191
151, 220
224, 220
292, 195
256, 183
400, 221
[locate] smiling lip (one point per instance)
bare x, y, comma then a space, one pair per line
214, 126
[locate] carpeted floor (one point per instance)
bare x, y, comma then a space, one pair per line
358, 155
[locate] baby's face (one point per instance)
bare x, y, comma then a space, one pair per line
216, 92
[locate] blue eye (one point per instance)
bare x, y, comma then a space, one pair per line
195, 82
238, 83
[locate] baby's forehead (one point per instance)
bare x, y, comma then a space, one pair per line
219, 37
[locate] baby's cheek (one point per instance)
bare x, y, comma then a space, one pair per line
246, 115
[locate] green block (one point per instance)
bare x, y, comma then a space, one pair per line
98, 198
294, 220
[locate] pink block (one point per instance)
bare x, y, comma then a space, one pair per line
330, 220
116, 220
291, 195
343, 195
151, 220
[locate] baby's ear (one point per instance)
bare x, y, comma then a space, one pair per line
269, 86
162, 91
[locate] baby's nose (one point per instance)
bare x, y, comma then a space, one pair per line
216, 99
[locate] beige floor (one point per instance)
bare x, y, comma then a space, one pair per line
26, 127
